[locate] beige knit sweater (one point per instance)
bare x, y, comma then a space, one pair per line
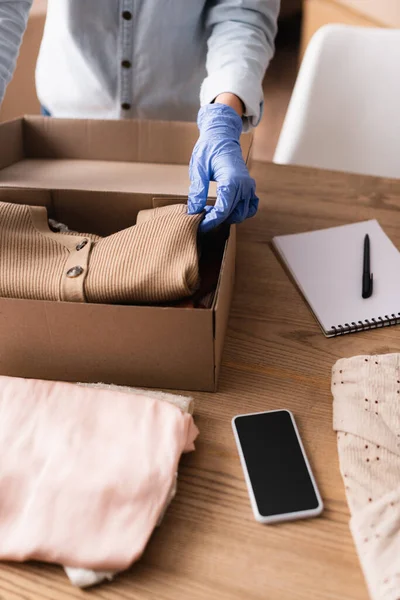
154, 261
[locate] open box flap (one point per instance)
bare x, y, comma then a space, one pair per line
115, 155
223, 297
11, 143
124, 140
31, 197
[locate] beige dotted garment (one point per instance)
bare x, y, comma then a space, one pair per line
366, 417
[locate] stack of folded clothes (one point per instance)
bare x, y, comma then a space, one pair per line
86, 472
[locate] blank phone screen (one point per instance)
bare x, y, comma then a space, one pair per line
275, 464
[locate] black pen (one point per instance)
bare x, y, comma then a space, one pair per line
367, 277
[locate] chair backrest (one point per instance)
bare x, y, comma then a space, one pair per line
344, 113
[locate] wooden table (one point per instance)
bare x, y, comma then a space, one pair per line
209, 546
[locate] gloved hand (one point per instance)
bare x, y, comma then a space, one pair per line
217, 156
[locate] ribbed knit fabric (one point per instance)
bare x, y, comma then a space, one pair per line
366, 416
30, 264
154, 261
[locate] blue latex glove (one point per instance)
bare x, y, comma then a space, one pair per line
217, 156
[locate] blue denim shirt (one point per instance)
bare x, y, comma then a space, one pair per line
144, 58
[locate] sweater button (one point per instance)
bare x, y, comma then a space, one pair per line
126, 106
82, 244
127, 15
75, 271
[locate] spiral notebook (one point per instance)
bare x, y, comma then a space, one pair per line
327, 267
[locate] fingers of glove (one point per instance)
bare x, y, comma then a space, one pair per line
212, 219
240, 212
198, 190
253, 207
227, 196
246, 207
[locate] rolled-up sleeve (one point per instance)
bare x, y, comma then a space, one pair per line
13, 19
240, 47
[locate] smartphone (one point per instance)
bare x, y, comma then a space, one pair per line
278, 475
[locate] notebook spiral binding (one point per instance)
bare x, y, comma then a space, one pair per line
374, 323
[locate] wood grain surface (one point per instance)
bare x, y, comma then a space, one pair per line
209, 546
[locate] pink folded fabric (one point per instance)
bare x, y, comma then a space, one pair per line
85, 473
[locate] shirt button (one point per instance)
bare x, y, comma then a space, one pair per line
75, 271
127, 15
125, 105
126, 64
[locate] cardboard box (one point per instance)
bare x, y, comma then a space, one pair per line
96, 176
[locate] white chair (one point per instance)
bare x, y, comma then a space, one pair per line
344, 113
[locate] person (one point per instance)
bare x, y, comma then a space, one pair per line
148, 59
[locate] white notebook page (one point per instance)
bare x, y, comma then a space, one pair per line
327, 266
